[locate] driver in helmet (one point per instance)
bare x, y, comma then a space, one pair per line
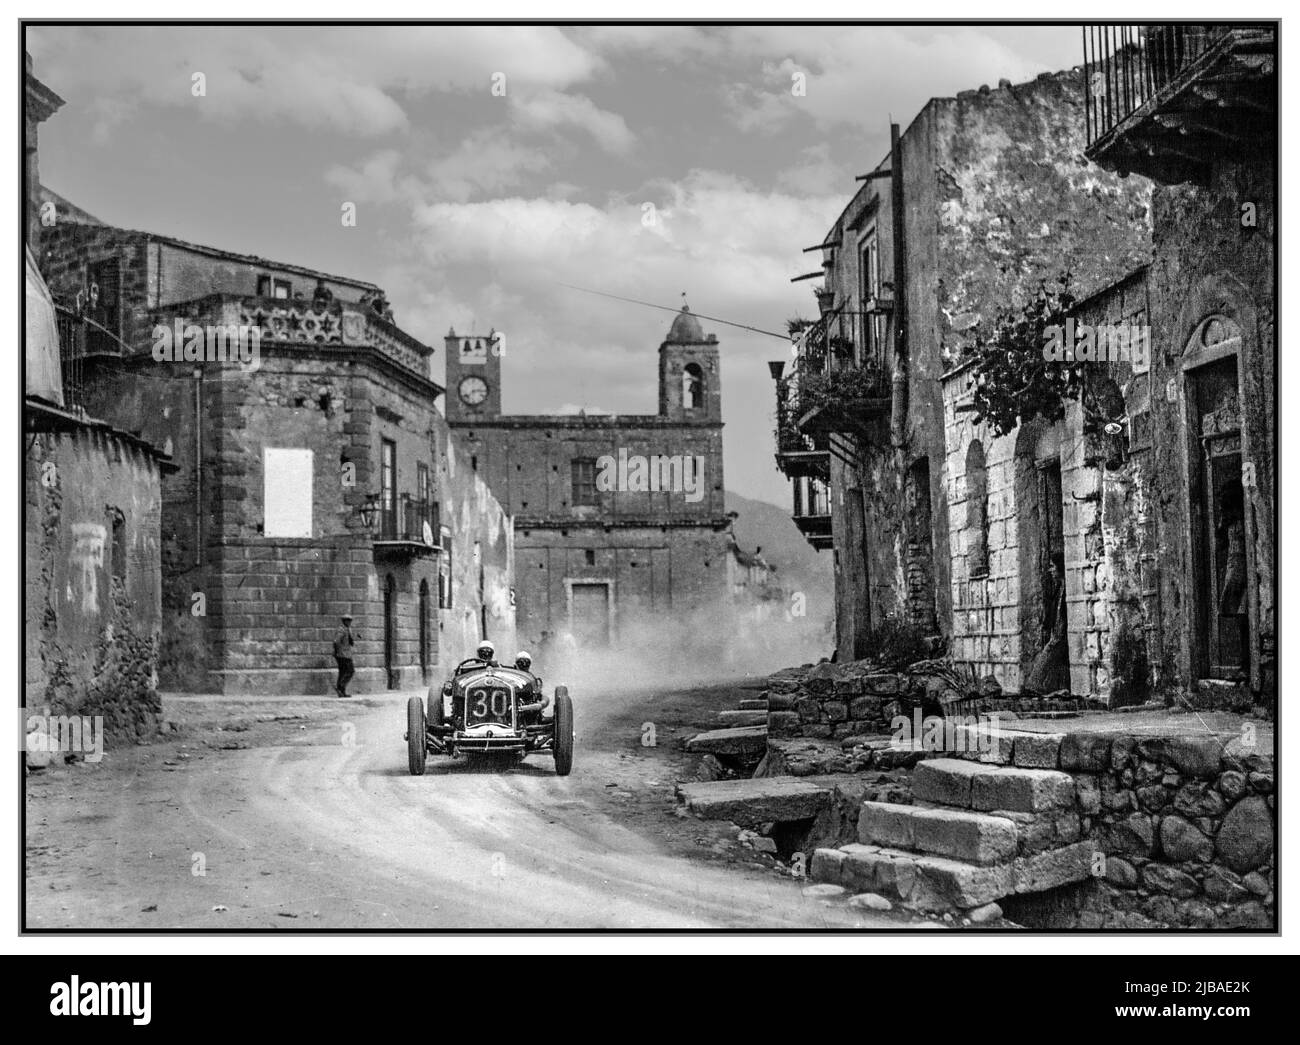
485, 656
538, 702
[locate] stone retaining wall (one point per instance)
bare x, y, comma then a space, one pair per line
1184, 827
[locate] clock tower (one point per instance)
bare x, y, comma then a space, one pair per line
474, 375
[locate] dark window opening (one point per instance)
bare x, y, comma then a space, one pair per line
692, 386
118, 562
270, 287
388, 486
977, 512
583, 475
591, 557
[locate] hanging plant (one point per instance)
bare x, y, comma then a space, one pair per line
1014, 380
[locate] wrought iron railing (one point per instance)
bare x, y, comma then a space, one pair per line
812, 498
408, 520
72, 356
1125, 65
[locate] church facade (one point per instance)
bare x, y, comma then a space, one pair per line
620, 524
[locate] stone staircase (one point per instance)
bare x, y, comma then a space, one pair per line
742, 733
977, 833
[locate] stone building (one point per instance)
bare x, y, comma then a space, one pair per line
91, 513
315, 474
620, 523
982, 196
1194, 108
1067, 492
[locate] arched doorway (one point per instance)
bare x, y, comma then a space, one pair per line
1217, 500
390, 631
1040, 533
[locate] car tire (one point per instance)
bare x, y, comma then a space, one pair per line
417, 744
433, 706
563, 740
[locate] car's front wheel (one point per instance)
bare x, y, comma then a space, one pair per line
416, 738
563, 740
433, 706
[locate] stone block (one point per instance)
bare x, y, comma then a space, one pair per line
1085, 752
746, 740
945, 781
1022, 790
1037, 750
759, 800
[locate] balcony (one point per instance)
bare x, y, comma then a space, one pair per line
1164, 100
812, 511
408, 528
73, 341
797, 454
850, 400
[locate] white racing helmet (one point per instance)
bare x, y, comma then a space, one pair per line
486, 651
523, 660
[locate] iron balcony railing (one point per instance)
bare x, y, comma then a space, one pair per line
72, 331
1126, 65
410, 520
812, 498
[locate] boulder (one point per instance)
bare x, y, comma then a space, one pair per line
1245, 838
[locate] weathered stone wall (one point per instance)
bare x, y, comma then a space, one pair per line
1105, 519
92, 611
480, 532
157, 272
1207, 261
834, 701
1184, 827
997, 196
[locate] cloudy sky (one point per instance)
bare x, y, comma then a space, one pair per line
639, 161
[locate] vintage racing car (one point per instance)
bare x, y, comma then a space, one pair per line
486, 708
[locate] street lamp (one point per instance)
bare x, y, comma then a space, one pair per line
776, 368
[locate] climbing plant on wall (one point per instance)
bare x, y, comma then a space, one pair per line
1014, 380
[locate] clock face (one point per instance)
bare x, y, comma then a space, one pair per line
473, 390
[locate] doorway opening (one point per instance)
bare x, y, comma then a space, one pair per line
1218, 516
390, 631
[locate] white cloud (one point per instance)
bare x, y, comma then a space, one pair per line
548, 110
318, 77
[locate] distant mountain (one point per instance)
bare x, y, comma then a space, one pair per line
761, 524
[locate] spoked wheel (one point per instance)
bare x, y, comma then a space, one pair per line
417, 743
563, 740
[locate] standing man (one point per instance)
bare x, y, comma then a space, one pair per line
343, 644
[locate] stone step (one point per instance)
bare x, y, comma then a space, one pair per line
760, 800
744, 740
936, 883
975, 838
743, 718
975, 785
758, 704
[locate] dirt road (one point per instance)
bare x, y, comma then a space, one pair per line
296, 813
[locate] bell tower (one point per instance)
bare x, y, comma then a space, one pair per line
474, 376
690, 378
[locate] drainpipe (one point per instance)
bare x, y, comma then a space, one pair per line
898, 411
